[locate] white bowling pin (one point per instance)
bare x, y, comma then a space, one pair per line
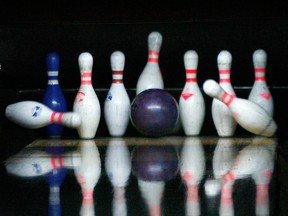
86, 103
118, 169
33, 115
222, 117
87, 174
249, 115
117, 103
260, 93
192, 169
151, 76
32, 163
191, 102
152, 192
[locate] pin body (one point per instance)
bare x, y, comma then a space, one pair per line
249, 115
117, 103
260, 93
53, 97
86, 103
223, 119
33, 115
191, 102
151, 76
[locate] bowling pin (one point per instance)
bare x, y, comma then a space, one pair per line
192, 169
53, 97
249, 115
33, 115
55, 179
117, 103
191, 102
260, 93
223, 159
223, 119
87, 174
118, 169
32, 163
86, 103
151, 76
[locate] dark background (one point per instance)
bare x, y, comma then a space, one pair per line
29, 31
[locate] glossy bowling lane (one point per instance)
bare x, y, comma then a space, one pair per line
143, 176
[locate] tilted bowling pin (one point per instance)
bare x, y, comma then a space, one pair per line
223, 159
53, 97
151, 76
192, 169
260, 93
117, 103
87, 174
249, 115
86, 103
118, 169
191, 102
32, 163
33, 115
252, 160
223, 119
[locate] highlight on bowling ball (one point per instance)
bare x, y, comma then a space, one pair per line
154, 113
155, 163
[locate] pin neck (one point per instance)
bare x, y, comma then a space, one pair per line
117, 76
53, 77
86, 78
56, 118
227, 99
260, 74
153, 56
224, 76
87, 196
191, 75
192, 193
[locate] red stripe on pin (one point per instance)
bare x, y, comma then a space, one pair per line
191, 71
117, 81
60, 118
260, 78
53, 162
52, 117
60, 161
86, 82
152, 52
86, 74
260, 70
117, 72
224, 80
191, 80
153, 60
224, 71
228, 103
81, 93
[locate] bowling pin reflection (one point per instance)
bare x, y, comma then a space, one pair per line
153, 166
118, 169
256, 161
192, 169
87, 173
223, 159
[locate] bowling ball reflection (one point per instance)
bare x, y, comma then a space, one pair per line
154, 112
155, 163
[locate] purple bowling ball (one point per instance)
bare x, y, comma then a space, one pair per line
155, 163
154, 113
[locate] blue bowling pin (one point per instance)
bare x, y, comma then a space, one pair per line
53, 97
55, 179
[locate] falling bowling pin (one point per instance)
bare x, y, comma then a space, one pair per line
118, 169
260, 93
87, 174
249, 115
86, 103
192, 169
151, 76
53, 97
33, 115
117, 103
191, 102
223, 119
